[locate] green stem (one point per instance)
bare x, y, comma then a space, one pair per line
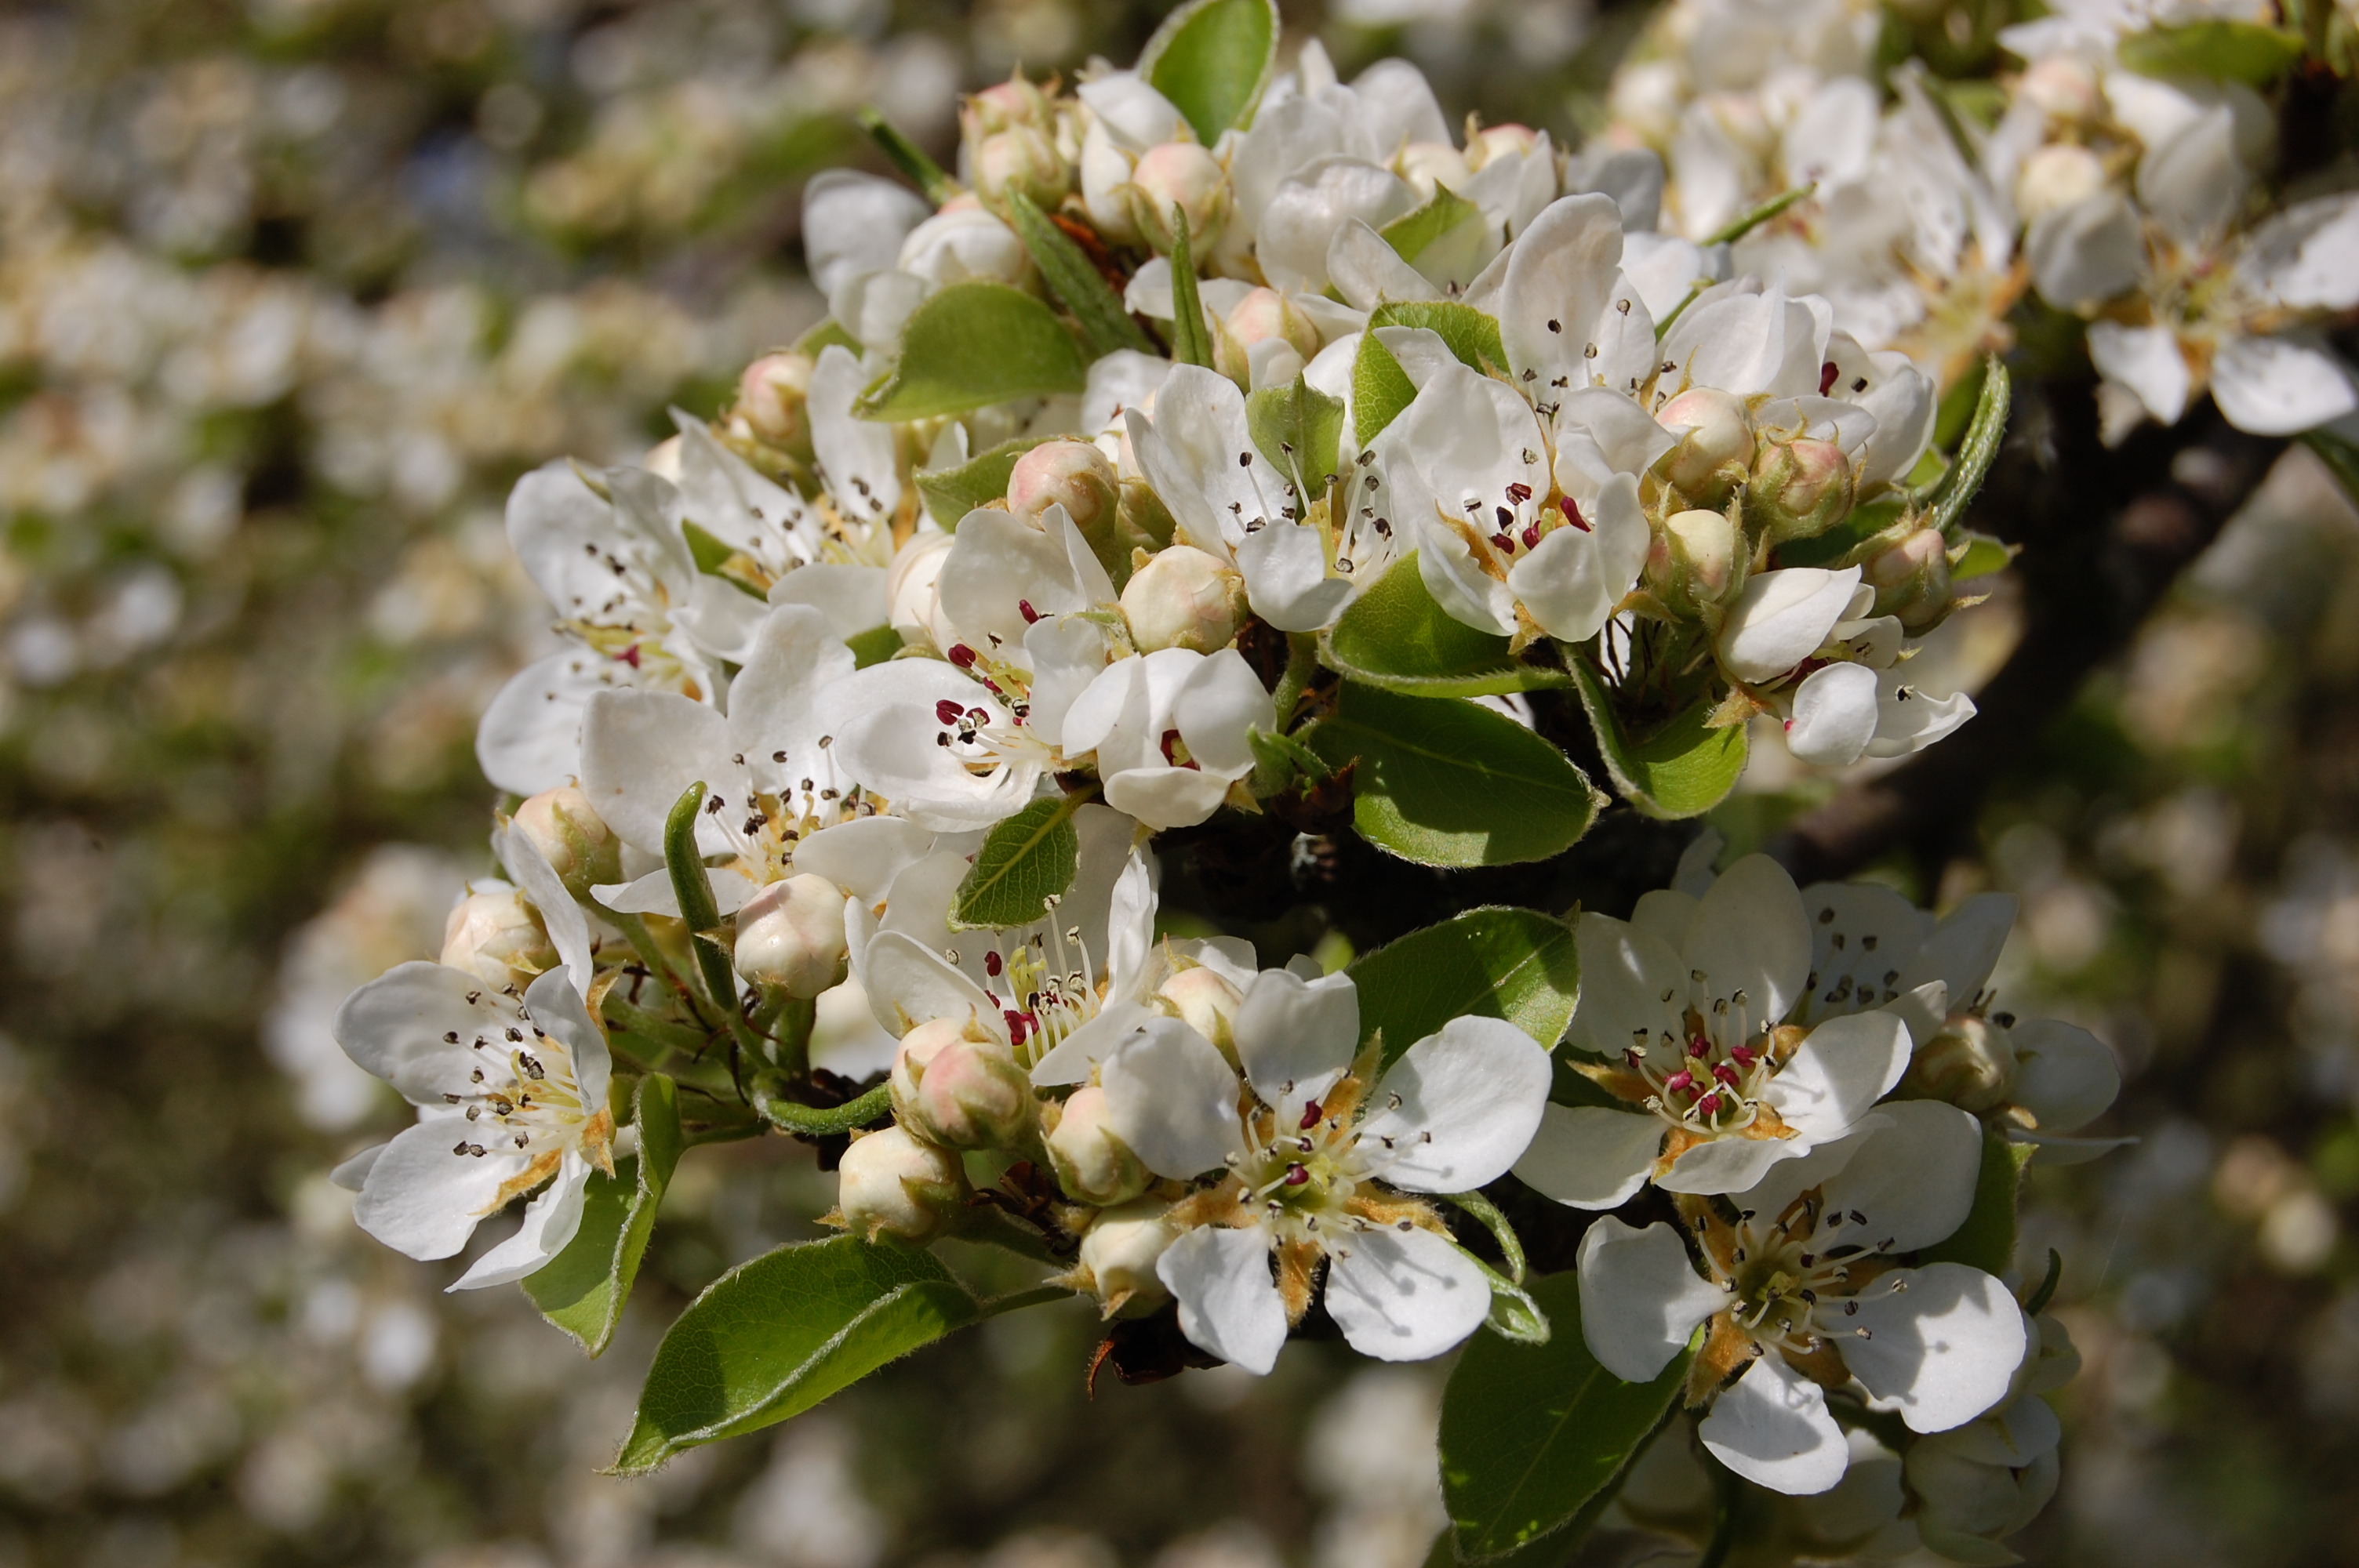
1727, 1490
693, 888
992, 1226
813, 1121
1301, 663
644, 944
1511, 1246
654, 1027
1038, 1295
721, 1132
1745, 223
909, 158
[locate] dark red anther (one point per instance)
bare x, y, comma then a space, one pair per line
1679, 1083
1709, 1105
1725, 1074
1507, 518
1310, 1115
1572, 513
1744, 1055
1532, 536
630, 655
1296, 1176
1827, 374
1519, 492
1170, 745
991, 964
1698, 1048
961, 655
1030, 614
947, 712
1016, 1025
1504, 542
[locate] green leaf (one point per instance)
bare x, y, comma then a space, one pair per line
972, 344
582, 1289
1443, 782
1976, 453
2340, 455
1191, 344
2224, 51
1300, 429
1473, 336
1532, 1434
816, 341
1380, 389
1682, 769
1986, 1240
1411, 233
1212, 59
1106, 325
1395, 636
1981, 556
1515, 964
950, 493
771, 1338
1745, 223
1024, 862
1838, 543
873, 647
909, 158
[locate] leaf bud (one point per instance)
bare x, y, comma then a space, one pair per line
1184, 597
1092, 1165
891, 1185
1716, 449
581, 850
1120, 1251
1911, 580
1181, 175
790, 936
1206, 1002
497, 937
1799, 490
1971, 1064
773, 403
1692, 564
961, 1088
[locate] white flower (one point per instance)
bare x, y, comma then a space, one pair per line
1170, 729
1690, 998
1803, 1278
963, 241
1304, 1144
510, 1093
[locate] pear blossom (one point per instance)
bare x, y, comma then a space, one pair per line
511, 1094
1805, 1291
1687, 1003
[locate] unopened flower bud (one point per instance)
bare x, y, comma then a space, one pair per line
1692, 562
773, 400
913, 589
960, 1088
893, 1186
1263, 316
2054, 176
1912, 580
2061, 87
1428, 165
1716, 451
1071, 473
1021, 160
1971, 1064
1181, 175
1092, 1165
790, 936
1184, 597
1120, 1251
1799, 489
1509, 140
499, 938
581, 850
1004, 106
1206, 1002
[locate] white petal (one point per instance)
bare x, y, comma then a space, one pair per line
854, 223
653, 895
909, 984
1729, 1165
569, 932
549, 1222
1946, 1342
1285, 567
1367, 272
1220, 701
352, 1174
1131, 109
1297, 1037
1590, 1157
2064, 1074
2146, 359
1632, 986
394, 1027
2192, 180
640, 750
422, 1199
1841, 1069
1305, 212
1397, 107
529, 739
1560, 270
1640, 1297
1446, 564
850, 447
2280, 386
1782, 618
1171, 1097
1228, 1304
1750, 935
1835, 716
1668, 914
1912, 1180
1771, 1426
1750, 343
1165, 797
1404, 1295
1625, 433
2084, 254
2308, 255
1470, 1098
1575, 578
1964, 947
862, 856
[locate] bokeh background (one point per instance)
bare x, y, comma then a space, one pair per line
290, 291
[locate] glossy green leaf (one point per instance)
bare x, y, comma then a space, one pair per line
2222, 50
1380, 389
1495, 962
582, 1289
972, 344
873, 647
1445, 782
1298, 428
1105, 323
1533, 1434
1979, 555
1024, 862
773, 1337
1394, 635
1212, 59
1683, 768
1473, 336
1412, 233
1986, 1240
951, 492
1957, 490
1191, 343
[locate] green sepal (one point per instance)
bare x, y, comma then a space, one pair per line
1380, 390
1191, 344
950, 493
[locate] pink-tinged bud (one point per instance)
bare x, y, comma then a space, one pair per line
1716, 451
2061, 88
1799, 490
499, 938
1912, 581
1005, 106
1261, 316
773, 403
1692, 564
1429, 164
1206, 1002
1500, 141
1184, 597
1120, 1251
1021, 160
1971, 1064
790, 936
2055, 176
1069, 473
960, 1087
891, 1186
581, 850
1181, 175
1092, 1165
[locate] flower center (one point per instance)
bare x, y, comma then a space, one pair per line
1708, 1078
521, 1092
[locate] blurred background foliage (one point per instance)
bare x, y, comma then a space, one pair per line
291, 291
